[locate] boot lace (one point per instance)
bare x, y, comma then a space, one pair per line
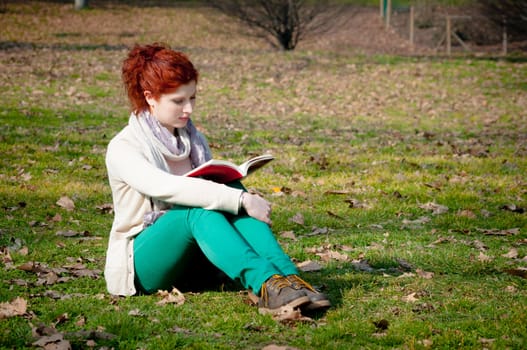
298, 283
276, 282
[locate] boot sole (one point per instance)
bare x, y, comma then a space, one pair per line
292, 304
316, 305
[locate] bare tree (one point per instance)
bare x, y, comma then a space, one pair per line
284, 23
512, 14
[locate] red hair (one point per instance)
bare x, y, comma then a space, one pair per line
155, 68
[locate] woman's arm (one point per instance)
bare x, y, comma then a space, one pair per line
127, 163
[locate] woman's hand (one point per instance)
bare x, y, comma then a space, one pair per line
257, 207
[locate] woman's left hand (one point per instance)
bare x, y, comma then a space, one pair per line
257, 207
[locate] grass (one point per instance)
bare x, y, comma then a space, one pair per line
388, 134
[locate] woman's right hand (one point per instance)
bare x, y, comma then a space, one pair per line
257, 207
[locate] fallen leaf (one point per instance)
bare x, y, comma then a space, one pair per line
136, 313
289, 315
406, 275
512, 254
174, 297
513, 208
520, 272
419, 221
53, 342
17, 307
68, 233
179, 330
486, 340
362, 265
426, 343
424, 274
298, 218
497, 232
66, 203
318, 231
279, 347
289, 235
333, 255
467, 214
435, 208
309, 266
106, 208
355, 203
5, 257
410, 298
484, 258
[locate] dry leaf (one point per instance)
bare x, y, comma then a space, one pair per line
66, 203
288, 315
406, 274
174, 297
53, 342
336, 192
17, 307
298, 218
279, 347
136, 313
106, 208
467, 214
333, 255
486, 340
419, 221
435, 208
512, 254
424, 274
289, 235
426, 343
5, 257
318, 231
309, 265
513, 208
362, 265
410, 298
520, 272
484, 258
496, 232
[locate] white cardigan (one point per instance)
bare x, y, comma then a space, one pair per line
134, 179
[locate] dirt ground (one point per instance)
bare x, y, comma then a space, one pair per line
364, 31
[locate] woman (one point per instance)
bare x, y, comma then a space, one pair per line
163, 220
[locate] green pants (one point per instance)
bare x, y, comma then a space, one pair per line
242, 247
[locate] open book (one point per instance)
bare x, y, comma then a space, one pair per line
223, 171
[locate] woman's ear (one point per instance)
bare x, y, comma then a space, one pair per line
149, 97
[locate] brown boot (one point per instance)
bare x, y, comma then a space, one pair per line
277, 293
317, 300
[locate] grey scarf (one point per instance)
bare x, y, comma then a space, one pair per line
159, 144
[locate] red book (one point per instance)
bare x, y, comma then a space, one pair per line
223, 171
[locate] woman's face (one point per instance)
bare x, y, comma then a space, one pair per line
173, 109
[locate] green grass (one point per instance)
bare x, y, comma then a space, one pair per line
388, 134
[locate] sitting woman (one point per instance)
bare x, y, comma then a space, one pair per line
165, 221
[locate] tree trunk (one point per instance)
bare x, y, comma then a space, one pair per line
81, 4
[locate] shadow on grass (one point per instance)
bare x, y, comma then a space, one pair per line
11, 45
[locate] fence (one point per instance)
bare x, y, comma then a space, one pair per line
442, 29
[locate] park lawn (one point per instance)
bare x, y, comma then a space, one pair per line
403, 178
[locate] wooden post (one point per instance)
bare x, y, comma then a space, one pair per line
388, 13
412, 25
448, 36
381, 7
504, 40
